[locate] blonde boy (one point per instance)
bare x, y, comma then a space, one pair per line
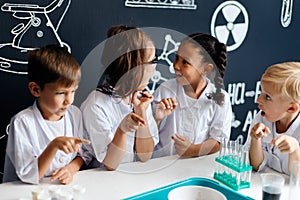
275, 131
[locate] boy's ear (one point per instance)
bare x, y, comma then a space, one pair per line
294, 107
34, 89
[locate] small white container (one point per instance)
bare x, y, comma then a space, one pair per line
65, 195
54, 191
78, 192
44, 196
37, 191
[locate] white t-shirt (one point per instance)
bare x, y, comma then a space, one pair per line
273, 158
29, 135
195, 119
102, 115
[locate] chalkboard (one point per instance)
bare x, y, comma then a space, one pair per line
257, 35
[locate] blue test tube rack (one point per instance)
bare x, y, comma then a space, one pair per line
236, 175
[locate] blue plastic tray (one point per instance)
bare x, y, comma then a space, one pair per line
162, 193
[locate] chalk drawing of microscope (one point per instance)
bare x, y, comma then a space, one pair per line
36, 29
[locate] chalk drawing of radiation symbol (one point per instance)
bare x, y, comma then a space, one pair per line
170, 48
230, 23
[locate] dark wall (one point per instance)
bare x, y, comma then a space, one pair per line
253, 32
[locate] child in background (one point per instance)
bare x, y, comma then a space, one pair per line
274, 135
44, 139
118, 116
192, 111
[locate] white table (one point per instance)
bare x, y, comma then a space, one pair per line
134, 178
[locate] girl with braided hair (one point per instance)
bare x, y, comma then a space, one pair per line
193, 112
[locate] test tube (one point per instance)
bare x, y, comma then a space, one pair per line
246, 157
220, 167
241, 156
236, 150
231, 156
230, 146
221, 147
238, 178
247, 174
225, 147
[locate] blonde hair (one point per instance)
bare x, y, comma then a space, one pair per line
286, 76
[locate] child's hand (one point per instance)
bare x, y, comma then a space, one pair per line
164, 108
259, 130
63, 175
181, 145
141, 100
131, 123
69, 144
286, 144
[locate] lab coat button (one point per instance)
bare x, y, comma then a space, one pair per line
62, 159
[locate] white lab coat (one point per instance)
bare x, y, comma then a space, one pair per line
102, 115
28, 137
195, 119
273, 158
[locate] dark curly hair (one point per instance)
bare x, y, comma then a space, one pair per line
213, 52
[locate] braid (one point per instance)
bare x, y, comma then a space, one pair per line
220, 59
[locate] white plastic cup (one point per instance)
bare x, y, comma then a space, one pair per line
294, 187
272, 185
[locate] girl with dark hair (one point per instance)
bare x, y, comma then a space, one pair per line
194, 112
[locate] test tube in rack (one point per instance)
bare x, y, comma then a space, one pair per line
233, 168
